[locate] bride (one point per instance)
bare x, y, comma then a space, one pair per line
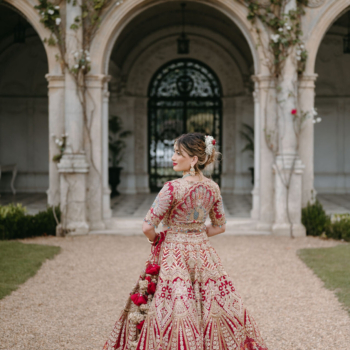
184, 299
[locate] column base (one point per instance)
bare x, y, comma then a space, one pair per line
73, 229
73, 170
263, 226
107, 212
283, 229
97, 225
255, 211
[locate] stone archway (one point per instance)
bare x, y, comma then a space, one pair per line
24, 96
56, 91
118, 18
130, 87
332, 101
324, 19
31, 15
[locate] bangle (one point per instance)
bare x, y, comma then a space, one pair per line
149, 241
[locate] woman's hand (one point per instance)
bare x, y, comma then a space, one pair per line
149, 231
215, 230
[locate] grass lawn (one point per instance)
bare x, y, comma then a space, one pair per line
19, 261
332, 266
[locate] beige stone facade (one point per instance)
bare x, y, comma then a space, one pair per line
134, 40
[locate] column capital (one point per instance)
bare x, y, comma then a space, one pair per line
55, 80
97, 80
263, 81
307, 81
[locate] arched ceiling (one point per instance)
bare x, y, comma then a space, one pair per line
343, 21
9, 19
168, 15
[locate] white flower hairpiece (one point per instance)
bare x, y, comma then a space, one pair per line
210, 143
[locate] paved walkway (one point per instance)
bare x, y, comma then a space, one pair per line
74, 300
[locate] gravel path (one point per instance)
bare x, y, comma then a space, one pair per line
75, 299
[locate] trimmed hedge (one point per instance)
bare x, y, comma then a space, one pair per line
315, 219
16, 223
340, 227
318, 223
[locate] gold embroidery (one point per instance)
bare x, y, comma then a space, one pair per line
195, 305
183, 206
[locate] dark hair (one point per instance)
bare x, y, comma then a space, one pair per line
194, 145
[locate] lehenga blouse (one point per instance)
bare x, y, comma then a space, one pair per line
183, 206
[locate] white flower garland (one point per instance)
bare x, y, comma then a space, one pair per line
209, 144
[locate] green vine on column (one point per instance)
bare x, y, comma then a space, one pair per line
284, 29
88, 21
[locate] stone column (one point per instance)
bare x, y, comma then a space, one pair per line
124, 106
254, 213
228, 146
288, 164
73, 166
106, 196
263, 204
306, 147
56, 128
96, 145
141, 146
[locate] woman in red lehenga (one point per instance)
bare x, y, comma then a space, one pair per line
184, 299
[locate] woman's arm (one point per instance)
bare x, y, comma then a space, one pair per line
149, 231
161, 205
215, 230
217, 216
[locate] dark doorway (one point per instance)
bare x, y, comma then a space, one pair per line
184, 96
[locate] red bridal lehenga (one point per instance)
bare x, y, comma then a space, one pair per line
184, 299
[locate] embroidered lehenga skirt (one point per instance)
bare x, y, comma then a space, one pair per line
195, 305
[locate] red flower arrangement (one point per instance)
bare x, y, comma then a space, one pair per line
151, 289
139, 326
138, 299
152, 269
145, 296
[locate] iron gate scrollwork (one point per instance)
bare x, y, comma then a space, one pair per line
184, 96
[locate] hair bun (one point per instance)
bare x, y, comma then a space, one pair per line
200, 145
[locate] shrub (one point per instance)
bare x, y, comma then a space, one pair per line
340, 227
16, 223
315, 219
12, 220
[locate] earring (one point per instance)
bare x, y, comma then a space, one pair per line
192, 171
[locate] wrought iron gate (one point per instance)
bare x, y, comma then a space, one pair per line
184, 96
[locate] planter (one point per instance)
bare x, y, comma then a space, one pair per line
251, 169
114, 179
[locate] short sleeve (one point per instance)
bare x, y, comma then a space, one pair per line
217, 213
161, 205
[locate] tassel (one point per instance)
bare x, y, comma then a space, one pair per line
152, 269
138, 299
140, 325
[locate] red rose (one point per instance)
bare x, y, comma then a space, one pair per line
148, 279
153, 269
214, 142
151, 289
139, 326
138, 299
294, 111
